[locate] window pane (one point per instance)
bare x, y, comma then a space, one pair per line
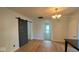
47, 28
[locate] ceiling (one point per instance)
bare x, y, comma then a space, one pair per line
46, 12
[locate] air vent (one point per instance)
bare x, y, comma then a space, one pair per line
40, 17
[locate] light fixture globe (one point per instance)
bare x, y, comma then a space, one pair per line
53, 17
56, 16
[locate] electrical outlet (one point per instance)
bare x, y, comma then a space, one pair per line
13, 45
74, 36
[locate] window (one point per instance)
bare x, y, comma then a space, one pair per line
47, 29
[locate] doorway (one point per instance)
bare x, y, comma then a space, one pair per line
47, 31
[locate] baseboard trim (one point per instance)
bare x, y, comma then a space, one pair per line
14, 49
58, 41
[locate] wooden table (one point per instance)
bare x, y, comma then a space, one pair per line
73, 42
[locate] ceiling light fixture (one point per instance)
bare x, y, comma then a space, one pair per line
56, 16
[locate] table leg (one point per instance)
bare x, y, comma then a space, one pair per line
66, 44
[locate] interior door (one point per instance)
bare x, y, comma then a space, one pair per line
23, 33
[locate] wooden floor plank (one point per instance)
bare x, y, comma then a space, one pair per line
44, 46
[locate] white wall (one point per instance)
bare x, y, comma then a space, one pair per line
74, 26
9, 29
37, 30
59, 29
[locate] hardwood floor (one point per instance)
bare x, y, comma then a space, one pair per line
44, 46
